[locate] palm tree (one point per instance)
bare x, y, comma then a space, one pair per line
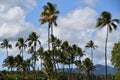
48, 65
106, 20
40, 53
5, 44
21, 45
19, 62
33, 40
9, 62
49, 15
31, 51
88, 66
91, 45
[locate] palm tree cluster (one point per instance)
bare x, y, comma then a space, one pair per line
59, 56
62, 56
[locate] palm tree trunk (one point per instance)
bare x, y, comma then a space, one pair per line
48, 37
51, 29
7, 51
41, 62
106, 52
51, 34
34, 54
22, 52
7, 55
91, 55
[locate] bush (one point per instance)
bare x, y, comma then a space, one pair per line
117, 77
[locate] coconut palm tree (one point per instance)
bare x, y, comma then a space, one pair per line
106, 20
5, 44
48, 65
91, 45
31, 51
19, 62
88, 66
40, 53
21, 45
33, 40
9, 62
49, 15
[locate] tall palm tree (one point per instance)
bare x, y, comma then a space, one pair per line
91, 45
106, 20
5, 44
49, 15
21, 45
33, 40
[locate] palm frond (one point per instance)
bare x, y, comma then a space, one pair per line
114, 26
110, 28
100, 22
116, 20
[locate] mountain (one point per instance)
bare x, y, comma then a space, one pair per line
101, 70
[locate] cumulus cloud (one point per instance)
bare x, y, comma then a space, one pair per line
77, 26
27, 5
12, 18
79, 19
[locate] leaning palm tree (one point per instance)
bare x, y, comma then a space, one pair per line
49, 15
91, 45
106, 20
5, 44
21, 45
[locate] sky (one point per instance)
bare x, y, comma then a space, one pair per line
76, 24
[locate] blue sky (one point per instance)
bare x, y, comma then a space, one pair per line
69, 5
76, 21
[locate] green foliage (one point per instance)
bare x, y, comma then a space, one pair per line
116, 56
61, 76
117, 77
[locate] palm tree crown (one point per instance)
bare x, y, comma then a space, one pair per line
106, 19
91, 45
5, 44
33, 39
21, 45
49, 14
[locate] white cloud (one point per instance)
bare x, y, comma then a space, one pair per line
79, 19
24, 4
14, 14
77, 26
